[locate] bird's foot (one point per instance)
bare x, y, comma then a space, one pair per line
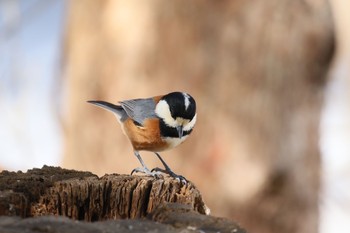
177, 177
146, 171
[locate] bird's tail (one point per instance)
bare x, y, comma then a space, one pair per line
116, 109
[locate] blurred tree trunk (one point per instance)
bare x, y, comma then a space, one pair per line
257, 70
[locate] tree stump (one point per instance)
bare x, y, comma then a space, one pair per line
84, 196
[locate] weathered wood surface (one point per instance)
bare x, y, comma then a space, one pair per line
84, 196
164, 205
172, 218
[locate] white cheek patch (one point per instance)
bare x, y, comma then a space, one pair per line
163, 111
190, 124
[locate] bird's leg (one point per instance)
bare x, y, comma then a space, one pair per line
168, 170
144, 168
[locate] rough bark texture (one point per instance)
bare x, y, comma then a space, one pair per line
84, 196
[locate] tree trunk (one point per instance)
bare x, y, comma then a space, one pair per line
84, 196
257, 70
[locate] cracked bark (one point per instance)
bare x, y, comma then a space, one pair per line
164, 205
84, 196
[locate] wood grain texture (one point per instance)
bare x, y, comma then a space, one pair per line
51, 199
84, 196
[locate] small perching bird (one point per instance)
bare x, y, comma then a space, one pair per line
155, 124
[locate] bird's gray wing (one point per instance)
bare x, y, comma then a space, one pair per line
139, 109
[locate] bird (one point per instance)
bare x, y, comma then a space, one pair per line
155, 124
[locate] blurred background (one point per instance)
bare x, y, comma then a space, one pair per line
271, 148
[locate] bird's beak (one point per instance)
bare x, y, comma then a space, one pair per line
180, 131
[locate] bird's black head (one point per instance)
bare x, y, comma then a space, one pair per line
177, 111
181, 105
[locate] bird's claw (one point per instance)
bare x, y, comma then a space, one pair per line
179, 178
146, 171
